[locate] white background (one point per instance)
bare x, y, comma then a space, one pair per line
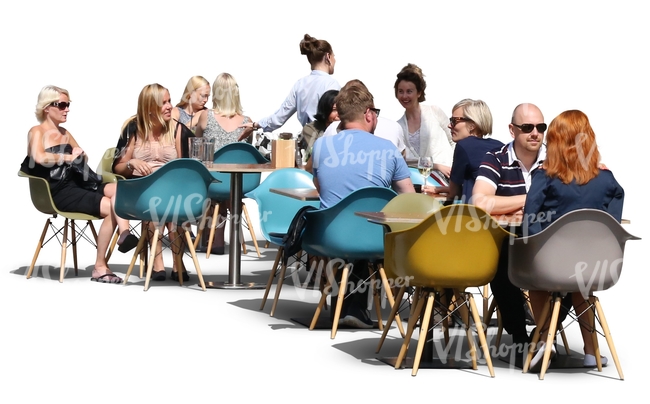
558, 55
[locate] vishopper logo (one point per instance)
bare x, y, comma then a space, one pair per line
583, 157
316, 273
370, 158
603, 275
178, 208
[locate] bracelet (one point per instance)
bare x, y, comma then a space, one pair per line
128, 165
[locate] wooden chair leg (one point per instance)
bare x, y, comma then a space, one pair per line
323, 297
73, 240
551, 336
251, 230
39, 246
152, 255
64, 247
375, 298
413, 319
138, 253
201, 226
213, 226
463, 310
111, 247
197, 266
536, 336
267, 244
392, 316
278, 287
391, 300
424, 328
274, 271
339, 300
481, 335
608, 337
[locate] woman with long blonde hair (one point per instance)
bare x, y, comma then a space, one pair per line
155, 142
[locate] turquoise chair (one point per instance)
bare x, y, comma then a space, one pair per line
219, 192
175, 193
276, 213
338, 233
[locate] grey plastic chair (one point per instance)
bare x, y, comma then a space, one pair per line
581, 252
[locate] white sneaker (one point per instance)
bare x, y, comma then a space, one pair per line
536, 362
590, 361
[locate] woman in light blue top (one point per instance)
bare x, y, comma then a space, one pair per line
304, 95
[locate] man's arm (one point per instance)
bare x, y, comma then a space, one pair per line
404, 186
484, 196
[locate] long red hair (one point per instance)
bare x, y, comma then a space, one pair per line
572, 152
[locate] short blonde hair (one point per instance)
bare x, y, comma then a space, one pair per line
225, 95
47, 96
478, 112
193, 84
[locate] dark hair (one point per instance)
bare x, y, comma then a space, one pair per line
414, 74
325, 106
315, 49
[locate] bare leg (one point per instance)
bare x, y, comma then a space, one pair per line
580, 305
104, 237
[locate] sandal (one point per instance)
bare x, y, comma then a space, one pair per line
107, 278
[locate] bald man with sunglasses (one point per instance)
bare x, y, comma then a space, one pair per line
503, 180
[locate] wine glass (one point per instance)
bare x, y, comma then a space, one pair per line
425, 164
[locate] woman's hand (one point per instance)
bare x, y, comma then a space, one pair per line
76, 152
140, 166
446, 170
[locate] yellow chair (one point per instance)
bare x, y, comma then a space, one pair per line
415, 203
39, 189
454, 248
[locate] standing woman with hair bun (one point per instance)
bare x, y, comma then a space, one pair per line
424, 126
304, 95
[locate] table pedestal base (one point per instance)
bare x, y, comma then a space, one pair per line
239, 286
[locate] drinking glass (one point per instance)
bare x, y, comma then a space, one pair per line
196, 148
208, 152
425, 164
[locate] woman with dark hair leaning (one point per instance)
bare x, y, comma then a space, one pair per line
305, 93
155, 141
325, 115
425, 126
571, 178
50, 147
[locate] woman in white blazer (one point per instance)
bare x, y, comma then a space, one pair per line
425, 126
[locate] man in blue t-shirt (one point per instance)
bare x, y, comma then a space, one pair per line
352, 159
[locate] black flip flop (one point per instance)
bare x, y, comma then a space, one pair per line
107, 278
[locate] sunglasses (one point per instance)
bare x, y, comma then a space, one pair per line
60, 105
375, 110
528, 127
455, 119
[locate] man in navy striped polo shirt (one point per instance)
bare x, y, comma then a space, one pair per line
501, 186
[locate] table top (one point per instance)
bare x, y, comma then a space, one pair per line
303, 194
241, 168
511, 219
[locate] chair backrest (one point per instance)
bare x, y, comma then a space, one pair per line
175, 193
238, 152
276, 211
457, 246
580, 251
105, 166
336, 232
414, 203
39, 191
